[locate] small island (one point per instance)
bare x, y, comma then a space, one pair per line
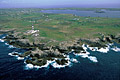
99, 11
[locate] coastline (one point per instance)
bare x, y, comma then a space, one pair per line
79, 50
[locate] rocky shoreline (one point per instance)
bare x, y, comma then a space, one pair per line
39, 53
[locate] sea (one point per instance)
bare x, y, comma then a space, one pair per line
98, 66
107, 14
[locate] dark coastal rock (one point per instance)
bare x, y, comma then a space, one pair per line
11, 37
112, 36
34, 58
96, 44
40, 46
62, 49
40, 52
53, 53
77, 49
39, 62
92, 44
108, 39
15, 54
37, 56
28, 61
62, 61
84, 52
46, 53
21, 43
119, 40
26, 53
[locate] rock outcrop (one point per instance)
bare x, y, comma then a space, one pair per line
39, 53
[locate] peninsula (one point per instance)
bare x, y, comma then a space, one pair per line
51, 37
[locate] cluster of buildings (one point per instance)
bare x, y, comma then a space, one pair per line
33, 31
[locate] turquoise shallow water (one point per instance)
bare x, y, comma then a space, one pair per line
107, 67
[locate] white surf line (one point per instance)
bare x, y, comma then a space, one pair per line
44, 66
92, 48
3, 37
18, 58
83, 55
49, 62
74, 60
103, 50
85, 48
6, 44
86, 55
11, 54
92, 58
1, 40
11, 46
53, 63
116, 49
31, 66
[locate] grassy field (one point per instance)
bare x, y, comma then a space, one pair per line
59, 27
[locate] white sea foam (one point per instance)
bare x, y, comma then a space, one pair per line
6, 44
74, 60
29, 66
3, 37
92, 48
48, 63
20, 58
55, 65
110, 44
11, 54
1, 40
11, 46
86, 55
44, 66
103, 50
92, 58
82, 54
85, 48
116, 49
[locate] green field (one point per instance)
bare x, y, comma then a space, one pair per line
59, 27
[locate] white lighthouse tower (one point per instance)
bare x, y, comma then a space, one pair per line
32, 27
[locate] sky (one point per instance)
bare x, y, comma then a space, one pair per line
59, 3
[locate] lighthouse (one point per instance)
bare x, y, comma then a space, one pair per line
32, 27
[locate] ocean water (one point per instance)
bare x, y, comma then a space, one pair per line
107, 67
110, 14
